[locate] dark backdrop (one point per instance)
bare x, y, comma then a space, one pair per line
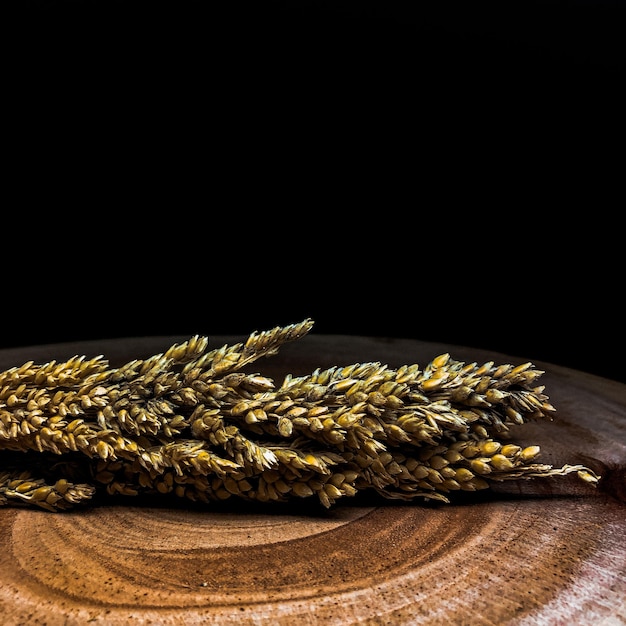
439, 171
531, 291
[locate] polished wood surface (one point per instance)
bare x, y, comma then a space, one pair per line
550, 551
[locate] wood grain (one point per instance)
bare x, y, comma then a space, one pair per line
549, 551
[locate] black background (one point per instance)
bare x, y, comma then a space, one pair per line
448, 172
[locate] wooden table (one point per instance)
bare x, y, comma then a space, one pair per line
537, 552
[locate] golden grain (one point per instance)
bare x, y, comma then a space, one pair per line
190, 423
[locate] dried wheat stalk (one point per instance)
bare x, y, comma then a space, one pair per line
190, 422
